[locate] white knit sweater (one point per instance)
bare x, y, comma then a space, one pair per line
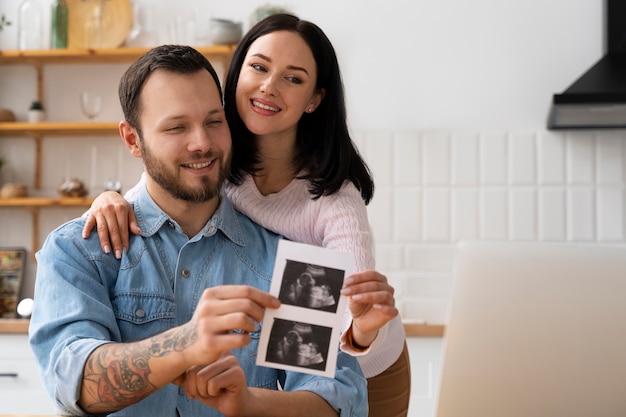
336, 222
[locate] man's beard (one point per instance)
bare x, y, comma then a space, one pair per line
172, 184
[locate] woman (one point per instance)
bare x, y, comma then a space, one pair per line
296, 171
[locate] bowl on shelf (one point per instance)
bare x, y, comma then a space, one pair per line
225, 32
7, 115
13, 190
72, 187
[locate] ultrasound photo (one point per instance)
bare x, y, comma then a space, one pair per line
298, 344
311, 286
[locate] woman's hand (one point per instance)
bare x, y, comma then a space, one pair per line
371, 302
113, 216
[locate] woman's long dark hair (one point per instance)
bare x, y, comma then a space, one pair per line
326, 155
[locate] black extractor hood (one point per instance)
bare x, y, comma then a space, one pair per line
598, 98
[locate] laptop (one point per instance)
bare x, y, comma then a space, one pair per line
536, 330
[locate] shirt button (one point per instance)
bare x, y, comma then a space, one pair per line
170, 225
185, 273
140, 313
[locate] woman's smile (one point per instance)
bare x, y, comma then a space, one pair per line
257, 104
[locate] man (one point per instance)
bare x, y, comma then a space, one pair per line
184, 303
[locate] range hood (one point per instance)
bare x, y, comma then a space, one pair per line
598, 98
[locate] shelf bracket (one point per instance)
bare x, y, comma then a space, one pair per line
35, 224
39, 69
37, 137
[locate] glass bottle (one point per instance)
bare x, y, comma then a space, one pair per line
142, 33
58, 25
30, 25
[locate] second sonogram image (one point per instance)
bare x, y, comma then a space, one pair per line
311, 286
298, 344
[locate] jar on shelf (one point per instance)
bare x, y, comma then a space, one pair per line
30, 25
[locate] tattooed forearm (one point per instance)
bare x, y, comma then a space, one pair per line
177, 341
119, 375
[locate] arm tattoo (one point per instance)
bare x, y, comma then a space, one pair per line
119, 376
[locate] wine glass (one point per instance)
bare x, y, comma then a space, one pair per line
90, 104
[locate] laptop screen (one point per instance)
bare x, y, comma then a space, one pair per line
536, 329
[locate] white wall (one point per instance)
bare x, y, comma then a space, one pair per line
448, 101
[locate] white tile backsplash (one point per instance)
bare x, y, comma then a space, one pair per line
551, 158
580, 159
493, 213
522, 158
436, 219
436, 158
580, 214
552, 214
465, 214
464, 158
609, 160
407, 209
379, 151
493, 158
610, 218
407, 159
523, 214
547, 186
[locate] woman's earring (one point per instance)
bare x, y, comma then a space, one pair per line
310, 109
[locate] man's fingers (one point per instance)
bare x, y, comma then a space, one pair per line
242, 292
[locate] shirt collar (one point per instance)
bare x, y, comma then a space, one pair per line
151, 219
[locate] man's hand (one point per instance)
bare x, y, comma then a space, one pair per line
220, 311
221, 385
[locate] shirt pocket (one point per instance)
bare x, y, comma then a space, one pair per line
141, 315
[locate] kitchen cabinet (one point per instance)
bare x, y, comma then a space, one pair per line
21, 389
49, 130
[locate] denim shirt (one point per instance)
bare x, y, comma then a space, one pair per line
85, 298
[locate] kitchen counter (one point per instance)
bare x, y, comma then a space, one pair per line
13, 326
412, 329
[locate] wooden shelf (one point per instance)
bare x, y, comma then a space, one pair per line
424, 329
88, 56
36, 202
14, 326
58, 128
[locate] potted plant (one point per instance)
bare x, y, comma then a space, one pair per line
4, 22
264, 11
36, 112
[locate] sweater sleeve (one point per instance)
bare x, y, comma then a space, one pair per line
345, 226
